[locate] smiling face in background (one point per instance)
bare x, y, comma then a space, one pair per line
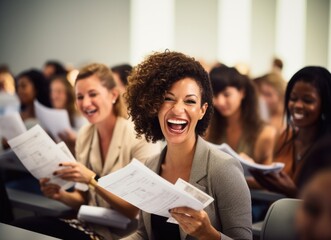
58, 95
228, 102
304, 105
181, 111
26, 91
94, 100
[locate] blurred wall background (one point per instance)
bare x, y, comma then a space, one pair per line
249, 32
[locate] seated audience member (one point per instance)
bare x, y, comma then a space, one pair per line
31, 85
105, 145
53, 68
308, 114
63, 97
272, 89
313, 218
121, 73
236, 120
8, 100
169, 97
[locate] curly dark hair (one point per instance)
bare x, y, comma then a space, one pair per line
149, 82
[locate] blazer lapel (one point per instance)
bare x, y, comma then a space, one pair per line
199, 166
198, 171
114, 148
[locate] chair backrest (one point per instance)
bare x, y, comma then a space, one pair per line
280, 219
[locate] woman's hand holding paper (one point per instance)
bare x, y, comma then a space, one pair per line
195, 223
74, 171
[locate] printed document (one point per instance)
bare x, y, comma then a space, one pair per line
275, 167
52, 120
11, 125
203, 197
40, 154
143, 188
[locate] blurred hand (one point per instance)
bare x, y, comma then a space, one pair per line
50, 190
195, 223
276, 182
74, 171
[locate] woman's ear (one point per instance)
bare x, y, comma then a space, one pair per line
203, 110
114, 95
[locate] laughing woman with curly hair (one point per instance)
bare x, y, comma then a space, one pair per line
170, 98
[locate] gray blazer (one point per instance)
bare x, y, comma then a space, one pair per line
221, 177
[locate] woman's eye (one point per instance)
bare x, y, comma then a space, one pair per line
308, 100
93, 95
167, 99
293, 99
191, 101
79, 97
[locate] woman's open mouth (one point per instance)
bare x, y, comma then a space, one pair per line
90, 112
176, 125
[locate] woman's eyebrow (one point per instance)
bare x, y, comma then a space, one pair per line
192, 95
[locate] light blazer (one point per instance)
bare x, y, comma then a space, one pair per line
123, 147
220, 176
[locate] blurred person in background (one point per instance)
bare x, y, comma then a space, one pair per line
63, 97
32, 85
308, 115
313, 217
121, 73
236, 120
9, 101
54, 68
272, 89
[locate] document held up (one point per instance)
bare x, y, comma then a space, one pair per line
143, 188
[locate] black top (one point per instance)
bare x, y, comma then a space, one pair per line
163, 230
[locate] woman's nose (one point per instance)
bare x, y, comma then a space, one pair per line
178, 108
298, 104
86, 101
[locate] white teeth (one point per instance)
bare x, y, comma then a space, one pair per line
173, 121
298, 116
90, 111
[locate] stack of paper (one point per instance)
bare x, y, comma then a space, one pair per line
103, 216
143, 188
41, 155
275, 167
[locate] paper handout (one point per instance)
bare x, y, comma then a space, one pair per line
275, 167
11, 125
52, 120
40, 154
143, 188
201, 196
103, 216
